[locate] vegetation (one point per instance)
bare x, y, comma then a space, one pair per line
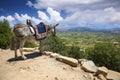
105, 54
87, 39
102, 53
5, 34
30, 44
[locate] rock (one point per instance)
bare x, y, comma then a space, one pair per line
112, 75
81, 61
102, 70
47, 53
54, 55
89, 66
101, 77
28, 49
71, 61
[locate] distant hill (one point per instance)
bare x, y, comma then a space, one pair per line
86, 29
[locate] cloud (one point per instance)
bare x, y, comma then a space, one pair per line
106, 16
51, 16
9, 18
61, 4
54, 15
42, 15
23, 17
29, 3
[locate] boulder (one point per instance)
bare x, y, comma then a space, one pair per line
71, 61
112, 75
101, 77
89, 66
29, 49
47, 53
54, 55
102, 70
81, 61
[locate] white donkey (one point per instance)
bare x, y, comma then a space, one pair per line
22, 32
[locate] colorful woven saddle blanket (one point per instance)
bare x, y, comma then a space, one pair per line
42, 32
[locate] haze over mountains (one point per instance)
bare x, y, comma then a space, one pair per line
87, 29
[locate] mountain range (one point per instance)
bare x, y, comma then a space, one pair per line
86, 29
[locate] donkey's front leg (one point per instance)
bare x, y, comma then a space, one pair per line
42, 43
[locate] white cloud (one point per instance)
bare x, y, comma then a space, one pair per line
108, 15
42, 15
22, 17
61, 4
52, 15
29, 3
9, 18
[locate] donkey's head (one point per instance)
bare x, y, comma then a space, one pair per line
52, 29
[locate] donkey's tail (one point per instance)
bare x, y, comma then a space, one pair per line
12, 42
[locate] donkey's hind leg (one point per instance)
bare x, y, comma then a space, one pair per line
16, 46
22, 42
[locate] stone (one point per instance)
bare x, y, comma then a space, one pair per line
47, 53
28, 49
54, 55
112, 75
89, 66
102, 70
101, 77
70, 61
81, 61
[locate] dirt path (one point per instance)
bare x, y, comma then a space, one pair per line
36, 67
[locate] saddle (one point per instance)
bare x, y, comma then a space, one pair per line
41, 32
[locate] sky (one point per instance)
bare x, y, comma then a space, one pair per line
98, 14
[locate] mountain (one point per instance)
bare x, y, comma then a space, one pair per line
86, 29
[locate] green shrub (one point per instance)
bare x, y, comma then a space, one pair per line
55, 44
74, 52
5, 34
30, 44
105, 54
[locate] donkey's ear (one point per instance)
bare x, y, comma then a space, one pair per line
56, 24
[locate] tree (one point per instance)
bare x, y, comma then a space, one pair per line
5, 34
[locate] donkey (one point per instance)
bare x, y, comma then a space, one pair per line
22, 32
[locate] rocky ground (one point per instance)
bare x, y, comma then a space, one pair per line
50, 67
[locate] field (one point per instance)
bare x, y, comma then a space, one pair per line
87, 39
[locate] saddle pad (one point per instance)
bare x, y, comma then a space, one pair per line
42, 32
41, 28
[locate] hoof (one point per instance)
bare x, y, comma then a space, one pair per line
24, 58
16, 57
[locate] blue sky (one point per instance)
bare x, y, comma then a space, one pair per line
99, 14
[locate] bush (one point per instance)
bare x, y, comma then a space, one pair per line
5, 34
105, 54
55, 44
30, 44
74, 52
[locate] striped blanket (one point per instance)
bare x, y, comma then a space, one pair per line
42, 32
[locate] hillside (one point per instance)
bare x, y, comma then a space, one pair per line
38, 67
